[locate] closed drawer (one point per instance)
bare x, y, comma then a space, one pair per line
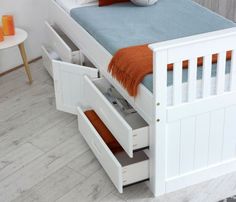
62, 45
130, 130
121, 169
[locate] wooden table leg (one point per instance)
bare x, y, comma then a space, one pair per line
24, 58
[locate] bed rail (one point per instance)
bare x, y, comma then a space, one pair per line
184, 146
191, 48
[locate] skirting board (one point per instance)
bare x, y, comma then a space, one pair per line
19, 66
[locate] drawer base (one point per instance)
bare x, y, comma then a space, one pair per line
129, 185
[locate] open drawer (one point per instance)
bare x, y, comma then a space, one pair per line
62, 44
121, 169
67, 65
130, 130
47, 60
48, 56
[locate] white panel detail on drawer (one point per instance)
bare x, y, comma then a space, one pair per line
130, 130
121, 169
47, 60
69, 85
62, 45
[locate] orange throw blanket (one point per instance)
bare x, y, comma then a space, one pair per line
130, 65
103, 131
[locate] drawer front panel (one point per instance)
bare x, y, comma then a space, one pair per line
133, 173
101, 151
58, 44
120, 168
47, 61
113, 120
69, 85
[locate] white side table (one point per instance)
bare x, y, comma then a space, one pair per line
18, 40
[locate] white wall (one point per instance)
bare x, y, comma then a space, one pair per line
29, 15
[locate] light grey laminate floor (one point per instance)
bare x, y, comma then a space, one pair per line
43, 158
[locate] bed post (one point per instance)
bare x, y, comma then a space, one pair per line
158, 126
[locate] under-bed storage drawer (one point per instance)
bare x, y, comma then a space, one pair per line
68, 80
47, 60
67, 65
130, 130
59, 47
69, 84
48, 56
62, 45
120, 168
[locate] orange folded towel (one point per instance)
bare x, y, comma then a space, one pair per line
130, 65
103, 131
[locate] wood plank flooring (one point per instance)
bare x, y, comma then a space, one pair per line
43, 158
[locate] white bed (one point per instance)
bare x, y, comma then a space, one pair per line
184, 148
137, 103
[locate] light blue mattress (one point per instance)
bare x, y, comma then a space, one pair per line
122, 25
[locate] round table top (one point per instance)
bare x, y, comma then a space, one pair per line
10, 41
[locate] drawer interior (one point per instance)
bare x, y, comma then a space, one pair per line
51, 54
134, 169
65, 38
122, 169
125, 160
62, 44
121, 156
48, 55
77, 56
127, 112
86, 61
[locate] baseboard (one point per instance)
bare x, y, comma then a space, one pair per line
201, 175
19, 66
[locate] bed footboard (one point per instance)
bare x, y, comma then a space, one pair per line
193, 140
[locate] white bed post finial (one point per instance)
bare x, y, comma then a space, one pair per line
158, 127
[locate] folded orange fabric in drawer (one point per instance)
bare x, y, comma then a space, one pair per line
103, 131
8, 25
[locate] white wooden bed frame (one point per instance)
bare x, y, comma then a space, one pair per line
190, 141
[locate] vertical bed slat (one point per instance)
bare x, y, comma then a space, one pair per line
177, 83
233, 72
220, 77
206, 77
192, 79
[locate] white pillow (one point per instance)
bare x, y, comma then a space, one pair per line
144, 2
81, 2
